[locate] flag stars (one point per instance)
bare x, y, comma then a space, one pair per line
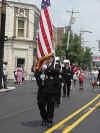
45, 3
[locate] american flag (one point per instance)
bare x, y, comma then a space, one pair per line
45, 35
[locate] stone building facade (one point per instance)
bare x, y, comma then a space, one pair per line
21, 30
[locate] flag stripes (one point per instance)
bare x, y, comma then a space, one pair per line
48, 22
45, 35
40, 48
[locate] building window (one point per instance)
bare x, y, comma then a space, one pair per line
21, 23
21, 27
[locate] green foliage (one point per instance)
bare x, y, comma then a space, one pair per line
87, 57
76, 53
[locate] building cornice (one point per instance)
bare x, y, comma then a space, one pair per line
24, 4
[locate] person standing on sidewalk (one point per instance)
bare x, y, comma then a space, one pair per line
19, 74
15, 77
81, 78
98, 78
5, 74
94, 75
75, 78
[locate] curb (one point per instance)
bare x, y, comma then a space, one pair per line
8, 89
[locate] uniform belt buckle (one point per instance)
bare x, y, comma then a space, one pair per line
51, 77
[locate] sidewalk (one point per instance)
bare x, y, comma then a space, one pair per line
8, 89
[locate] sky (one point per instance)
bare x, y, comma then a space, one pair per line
86, 20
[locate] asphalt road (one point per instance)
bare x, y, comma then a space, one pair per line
19, 112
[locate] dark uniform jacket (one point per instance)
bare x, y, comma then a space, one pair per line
67, 74
48, 85
51, 80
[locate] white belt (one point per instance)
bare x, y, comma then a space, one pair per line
51, 78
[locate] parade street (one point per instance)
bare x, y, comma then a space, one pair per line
80, 113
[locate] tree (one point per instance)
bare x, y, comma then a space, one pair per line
87, 58
75, 50
77, 54
60, 50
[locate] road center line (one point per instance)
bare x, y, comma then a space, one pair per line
77, 122
71, 116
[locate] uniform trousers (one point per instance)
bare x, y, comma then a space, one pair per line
46, 106
67, 86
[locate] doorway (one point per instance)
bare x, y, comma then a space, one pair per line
21, 62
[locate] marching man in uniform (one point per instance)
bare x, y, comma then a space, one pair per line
48, 82
67, 76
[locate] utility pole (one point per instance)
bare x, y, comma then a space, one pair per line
69, 30
2, 37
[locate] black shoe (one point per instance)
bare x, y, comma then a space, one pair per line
68, 95
44, 123
49, 123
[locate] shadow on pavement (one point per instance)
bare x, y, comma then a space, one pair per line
36, 123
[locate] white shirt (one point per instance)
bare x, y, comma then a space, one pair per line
94, 74
5, 69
